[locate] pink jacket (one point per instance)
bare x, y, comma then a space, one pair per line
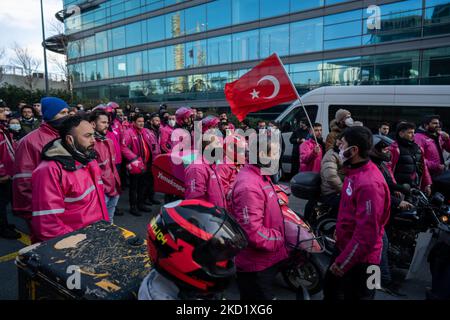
309, 160
202, 182
166, 143
28, 155
7, 152
364, 210
431, 152
131, 146
116, 137
66, 199
395, 155
255, 207
107, 163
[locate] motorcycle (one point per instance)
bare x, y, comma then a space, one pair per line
300, 270
321, 218
429, 215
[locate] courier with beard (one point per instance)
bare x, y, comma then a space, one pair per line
67, 186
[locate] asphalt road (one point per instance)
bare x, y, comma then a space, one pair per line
8, 248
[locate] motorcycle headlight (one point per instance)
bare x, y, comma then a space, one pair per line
444, 219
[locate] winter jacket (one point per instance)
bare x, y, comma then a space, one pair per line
202, 182
115, 134
29, 126
28, 155
408, 164
433, 147
335, 131
7, 153
255, 207
67, 195
364, 210
107, 163
166, 143
309, 160
132, 147
331, 173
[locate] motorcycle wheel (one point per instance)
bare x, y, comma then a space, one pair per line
326, 227
307, 275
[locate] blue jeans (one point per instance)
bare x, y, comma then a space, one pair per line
111, 204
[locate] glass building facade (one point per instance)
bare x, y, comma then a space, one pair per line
183, 52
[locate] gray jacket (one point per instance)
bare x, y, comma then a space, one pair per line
331, 173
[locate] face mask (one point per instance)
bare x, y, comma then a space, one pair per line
56, 124
343, 155
172, 123
349, 122
15, 127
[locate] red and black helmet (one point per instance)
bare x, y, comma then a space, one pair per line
193, 243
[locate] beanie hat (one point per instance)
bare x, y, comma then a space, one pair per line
341, 114
51, 106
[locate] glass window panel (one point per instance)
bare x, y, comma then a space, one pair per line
437, 19
342, 30
275, 40
270, 8
134, 64
154, 89
246, 46
102, 41
218, 14
300, 5
195, 54
195, 19
155, 29
306, 36
175, 24
118, 38
133, 34
157, 60
103, 69
219, 50
436, 66
342, 43
343, 17
120, 66
244, 11
175, 57
91, 70
89, 45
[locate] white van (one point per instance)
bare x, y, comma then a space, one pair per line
371, 105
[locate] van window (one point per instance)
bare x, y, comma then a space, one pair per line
373, 116
290, 122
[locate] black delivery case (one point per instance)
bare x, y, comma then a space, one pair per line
306, 185
101, 261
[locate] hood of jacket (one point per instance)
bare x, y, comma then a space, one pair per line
334, 126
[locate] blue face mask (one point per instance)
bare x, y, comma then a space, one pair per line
15, 127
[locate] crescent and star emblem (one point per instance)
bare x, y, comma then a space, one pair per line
276, 90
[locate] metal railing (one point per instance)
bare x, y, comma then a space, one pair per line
18, 71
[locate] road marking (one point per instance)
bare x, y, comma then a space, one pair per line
9, 257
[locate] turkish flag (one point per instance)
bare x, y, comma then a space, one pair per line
263, 87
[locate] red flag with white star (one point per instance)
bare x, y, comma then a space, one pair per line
265, 86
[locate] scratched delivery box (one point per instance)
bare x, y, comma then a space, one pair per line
101, 261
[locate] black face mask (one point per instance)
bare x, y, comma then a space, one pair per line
56, 124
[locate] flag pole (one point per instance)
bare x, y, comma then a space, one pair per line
298, 98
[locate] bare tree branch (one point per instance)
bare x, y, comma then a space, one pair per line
28, 63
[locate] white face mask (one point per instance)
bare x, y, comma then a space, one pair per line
349, 122
342, 156
15, 126
171, 123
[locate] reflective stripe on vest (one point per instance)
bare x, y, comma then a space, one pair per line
89, 190
47, 212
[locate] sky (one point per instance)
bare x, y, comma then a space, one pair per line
20, 21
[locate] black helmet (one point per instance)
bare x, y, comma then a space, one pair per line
194, 243
380, 142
